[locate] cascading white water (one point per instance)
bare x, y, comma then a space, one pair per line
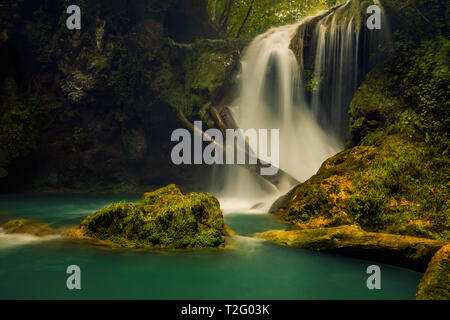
273, 96
336, 52
344, 50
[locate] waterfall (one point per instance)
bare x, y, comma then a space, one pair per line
344, 50
313, 123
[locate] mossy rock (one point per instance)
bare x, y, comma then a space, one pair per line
28, 226
164, 218
435, 284
392, 176
167, 192
321, 200
406, 251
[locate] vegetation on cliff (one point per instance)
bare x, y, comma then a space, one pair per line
390, 185
77, 108
164, 218
248, 18
393, 175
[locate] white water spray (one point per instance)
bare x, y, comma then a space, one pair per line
273, 96
8, 240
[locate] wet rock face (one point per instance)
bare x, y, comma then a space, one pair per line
164, 218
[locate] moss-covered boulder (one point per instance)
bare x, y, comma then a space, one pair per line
321, 200
164, 218
28, 226
435, 284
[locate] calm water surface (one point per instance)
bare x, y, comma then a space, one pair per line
32, 268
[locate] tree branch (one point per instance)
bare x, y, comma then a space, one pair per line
245, 20
227, 16
276, 180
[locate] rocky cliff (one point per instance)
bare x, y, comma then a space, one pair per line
93, 109
393, 174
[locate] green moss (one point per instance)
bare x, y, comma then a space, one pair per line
79, 137
17, 121
163, 218
419, 18
435, 284
371, 106
190, 76
20, 120
27, 226
313, 81
210, 71
410, 173
366, 208
208, 67
128, 79
102, 69
264, 14
393, 176
153, 197
417, 251
3, 163
40, 36
316, 197
108, 221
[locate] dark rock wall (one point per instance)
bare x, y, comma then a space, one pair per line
93, 110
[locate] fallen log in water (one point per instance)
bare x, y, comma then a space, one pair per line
276, 179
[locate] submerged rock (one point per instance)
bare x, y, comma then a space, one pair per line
406, 251
435, 284
164, 218
28, 226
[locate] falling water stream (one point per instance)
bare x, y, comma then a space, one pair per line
312, 121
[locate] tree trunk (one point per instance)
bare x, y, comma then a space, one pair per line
276, 179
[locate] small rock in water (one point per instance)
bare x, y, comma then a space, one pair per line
28, 226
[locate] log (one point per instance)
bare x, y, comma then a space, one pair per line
276, 180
